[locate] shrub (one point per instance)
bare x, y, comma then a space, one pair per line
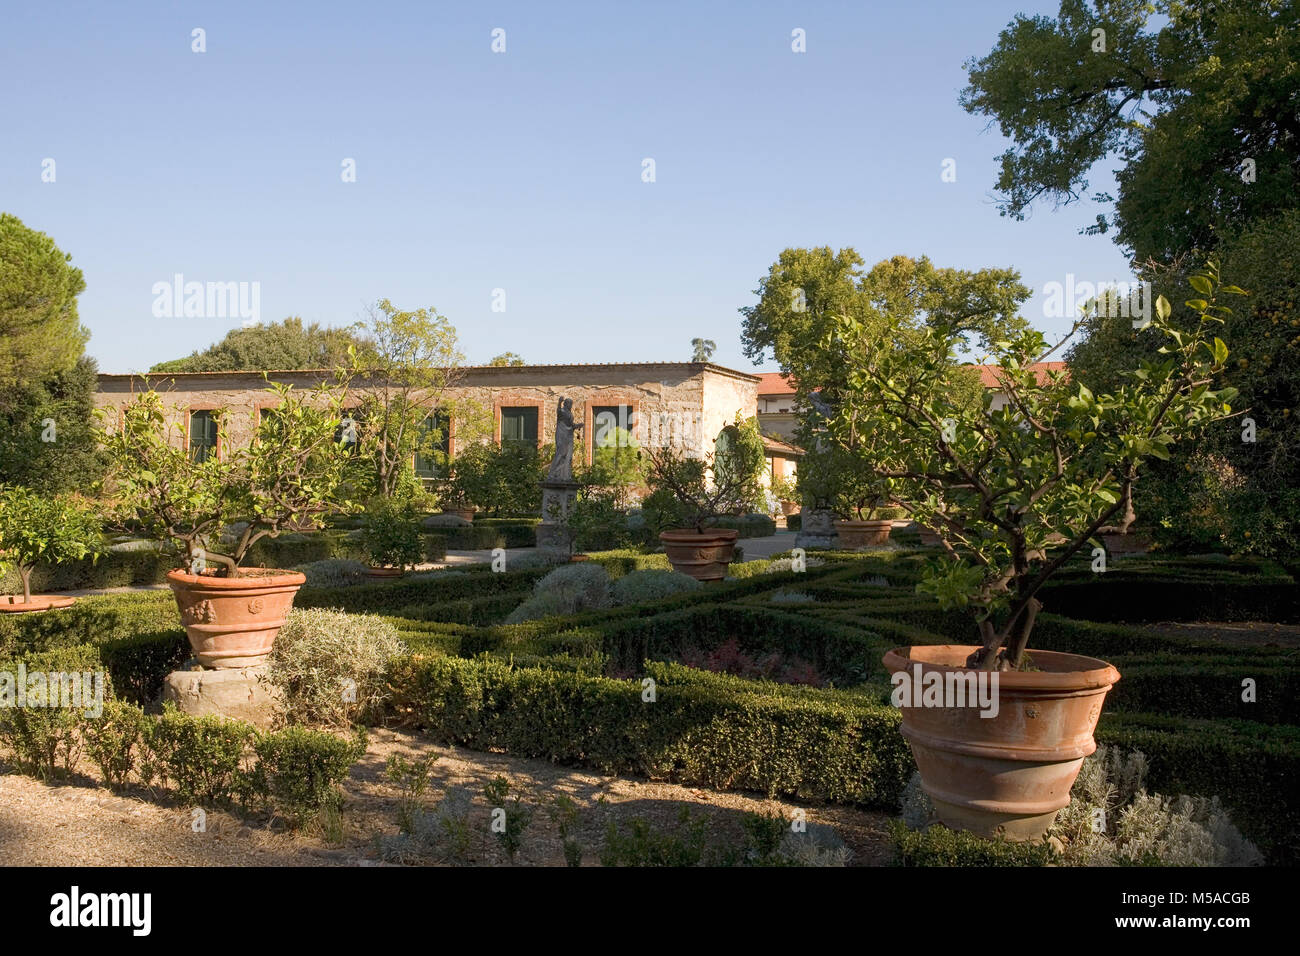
391, 535
819, 845
330, 666
568, 589
644, 586
45, 740
116, 740
643, 845
510, 817
334, 573
300, 770
203, 759
939, 846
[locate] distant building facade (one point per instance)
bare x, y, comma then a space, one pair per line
687, 403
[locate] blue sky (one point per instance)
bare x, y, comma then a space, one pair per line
519, 170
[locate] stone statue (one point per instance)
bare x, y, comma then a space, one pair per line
565, 429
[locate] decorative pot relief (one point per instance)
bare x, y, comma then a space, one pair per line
201, 613
255, 606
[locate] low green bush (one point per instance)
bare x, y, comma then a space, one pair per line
116, 740
939, 846
205, 761
61, 689
299, 771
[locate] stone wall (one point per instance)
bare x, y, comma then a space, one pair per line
695, 400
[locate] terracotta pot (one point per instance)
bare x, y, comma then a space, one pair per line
930, 539
863, 534
232, 622
702, 555
577, 558
1119, 544
385, 573
14, 603
789, 507
466, 513
1008, 774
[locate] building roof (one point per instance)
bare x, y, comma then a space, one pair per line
774, 383
990, 374
494, 369
773, 445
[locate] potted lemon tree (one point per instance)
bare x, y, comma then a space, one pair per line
37, 529
291, 477
999, 487
692, 493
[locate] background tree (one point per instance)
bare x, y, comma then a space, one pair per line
48, 437
702, 349
412, 360
42, 334
506, 359
1182, 92
283, 346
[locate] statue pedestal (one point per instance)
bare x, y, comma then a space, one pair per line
558, 498
816, 528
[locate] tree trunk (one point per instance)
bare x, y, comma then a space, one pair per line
25, 573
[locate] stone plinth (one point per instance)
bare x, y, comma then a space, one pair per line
236, 693
816, 528
558, 498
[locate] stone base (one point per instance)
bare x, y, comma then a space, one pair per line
816, 529
558, 499
805, 541
234, 693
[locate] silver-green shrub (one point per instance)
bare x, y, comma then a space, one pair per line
566, 590
329, 666
649, 584
333, 573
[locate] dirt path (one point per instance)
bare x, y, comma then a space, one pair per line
83, 824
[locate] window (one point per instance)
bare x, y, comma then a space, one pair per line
434, 446
203, 434
613, 428
519, 424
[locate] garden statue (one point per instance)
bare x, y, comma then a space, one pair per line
565, 429
559, 490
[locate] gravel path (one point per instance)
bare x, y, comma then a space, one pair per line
80, 823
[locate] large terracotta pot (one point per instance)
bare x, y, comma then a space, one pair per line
789, 508
863, 534
466, 513
1004, 775
231, 622
384, 573
702, 555
1121, 544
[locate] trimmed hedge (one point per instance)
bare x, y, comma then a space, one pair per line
714, 732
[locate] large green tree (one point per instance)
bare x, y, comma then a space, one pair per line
412, 361
1196, 99
283, 346
42, 334
48, 437
806, 291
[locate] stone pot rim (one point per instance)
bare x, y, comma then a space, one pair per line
691, 536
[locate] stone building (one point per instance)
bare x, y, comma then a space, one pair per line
657, 402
